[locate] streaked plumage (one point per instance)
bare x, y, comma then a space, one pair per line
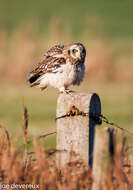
61, 67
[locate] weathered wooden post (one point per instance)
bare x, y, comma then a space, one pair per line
76, 133
104, 149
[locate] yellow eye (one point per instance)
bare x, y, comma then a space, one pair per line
74, 51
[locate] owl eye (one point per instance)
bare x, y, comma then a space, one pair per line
74, 51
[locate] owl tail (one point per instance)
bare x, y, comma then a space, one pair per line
33, 79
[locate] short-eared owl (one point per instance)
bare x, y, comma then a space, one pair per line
61, 67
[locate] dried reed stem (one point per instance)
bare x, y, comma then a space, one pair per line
25, 130
5, 136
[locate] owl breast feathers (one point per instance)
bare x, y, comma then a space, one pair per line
61, 67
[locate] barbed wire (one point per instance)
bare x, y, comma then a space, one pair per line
74, 111
105, 120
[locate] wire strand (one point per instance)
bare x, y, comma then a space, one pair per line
98, 118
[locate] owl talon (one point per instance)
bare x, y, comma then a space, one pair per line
69, 91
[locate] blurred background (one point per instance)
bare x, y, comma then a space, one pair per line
29, 28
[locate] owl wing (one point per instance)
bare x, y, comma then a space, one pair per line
55, 51
47, 65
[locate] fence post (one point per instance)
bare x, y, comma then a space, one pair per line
76, 133
104, 150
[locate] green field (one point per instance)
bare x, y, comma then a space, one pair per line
111, 19
116, 99
108, 23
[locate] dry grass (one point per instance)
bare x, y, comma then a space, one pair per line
120, 170
20, 51
40, 167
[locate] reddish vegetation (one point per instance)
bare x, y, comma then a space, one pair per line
39, 167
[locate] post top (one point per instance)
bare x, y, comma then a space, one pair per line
85, 102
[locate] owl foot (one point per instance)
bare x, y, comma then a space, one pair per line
67, 91
70, 91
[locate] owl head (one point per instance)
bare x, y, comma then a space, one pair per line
76, 51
